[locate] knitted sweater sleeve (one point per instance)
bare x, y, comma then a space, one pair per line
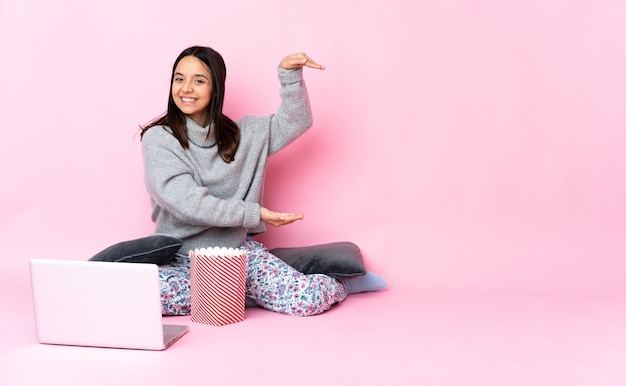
170, 182
294, 116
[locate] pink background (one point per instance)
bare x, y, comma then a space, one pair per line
463, 145
472, 149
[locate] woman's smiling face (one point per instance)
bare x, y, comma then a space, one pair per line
192, 88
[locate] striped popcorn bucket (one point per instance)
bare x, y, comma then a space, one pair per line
218, 285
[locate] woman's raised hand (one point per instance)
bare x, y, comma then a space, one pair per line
298, 60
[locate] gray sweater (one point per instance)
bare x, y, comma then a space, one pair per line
201, 199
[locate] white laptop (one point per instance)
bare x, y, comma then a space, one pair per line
100, 304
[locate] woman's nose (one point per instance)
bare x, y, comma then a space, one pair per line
187, 87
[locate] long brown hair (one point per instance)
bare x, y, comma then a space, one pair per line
227, 134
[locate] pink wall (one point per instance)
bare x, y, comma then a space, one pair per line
473, 145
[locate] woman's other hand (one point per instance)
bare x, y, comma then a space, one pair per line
298, 60
277, 219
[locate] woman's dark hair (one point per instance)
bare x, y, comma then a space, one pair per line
227, 133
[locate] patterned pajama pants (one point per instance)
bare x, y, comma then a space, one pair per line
270, 282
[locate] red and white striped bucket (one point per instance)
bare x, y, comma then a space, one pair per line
218, 285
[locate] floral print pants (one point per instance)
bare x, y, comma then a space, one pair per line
270, 282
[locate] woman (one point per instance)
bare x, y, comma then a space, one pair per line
205, 174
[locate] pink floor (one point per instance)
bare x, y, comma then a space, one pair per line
395, 337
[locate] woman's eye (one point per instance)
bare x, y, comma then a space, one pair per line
199, 81
178, 80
